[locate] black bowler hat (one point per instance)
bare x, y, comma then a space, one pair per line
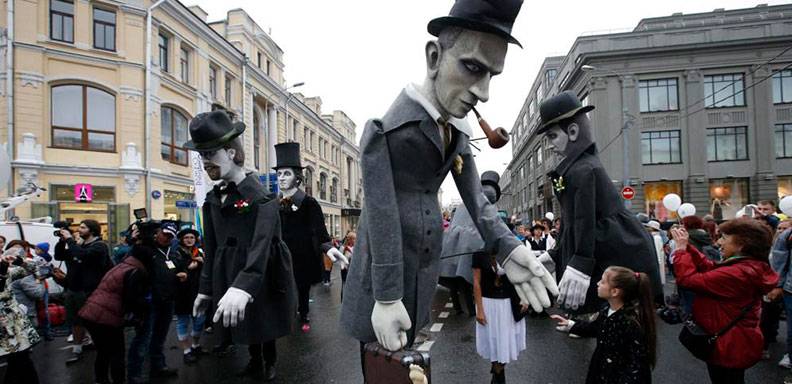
492, 178
210, 131
287, 155
560, 107
491, 16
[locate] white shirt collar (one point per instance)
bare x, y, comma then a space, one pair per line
460, 124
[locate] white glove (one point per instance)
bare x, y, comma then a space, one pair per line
530, 279
201, 304
337, 257
573, 287
391, 322
232, 307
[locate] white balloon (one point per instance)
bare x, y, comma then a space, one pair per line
672, 201
686, 210
786, 205
549, 216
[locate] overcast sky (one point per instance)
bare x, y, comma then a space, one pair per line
357, 55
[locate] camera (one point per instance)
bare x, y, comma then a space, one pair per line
60, 225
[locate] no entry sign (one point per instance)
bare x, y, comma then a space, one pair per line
628, 193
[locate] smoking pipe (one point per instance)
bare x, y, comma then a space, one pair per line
497, 137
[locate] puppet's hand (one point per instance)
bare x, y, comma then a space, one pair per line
547, 261
530, 279
201, 304
231, 307
338, 258
391, 322
573, 287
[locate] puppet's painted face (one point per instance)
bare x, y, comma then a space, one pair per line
287, 179
218, 164
490, 193
557, 140
465, 70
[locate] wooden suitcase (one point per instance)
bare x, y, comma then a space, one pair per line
382, 366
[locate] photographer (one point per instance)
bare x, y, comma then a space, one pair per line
87, 262
15, 345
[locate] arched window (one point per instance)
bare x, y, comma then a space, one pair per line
308, 181
334, 191
323, 186
83, 117
174, 134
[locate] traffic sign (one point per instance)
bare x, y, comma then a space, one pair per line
628, 193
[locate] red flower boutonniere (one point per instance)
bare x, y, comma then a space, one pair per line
242, 206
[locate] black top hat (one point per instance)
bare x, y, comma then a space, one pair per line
210, 131
560, 107
492, 178
491, 16
287, 155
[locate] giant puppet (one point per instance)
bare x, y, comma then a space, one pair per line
304, 228
248, 270
405, 156
597, 231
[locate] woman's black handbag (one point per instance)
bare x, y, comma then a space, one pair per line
702, 343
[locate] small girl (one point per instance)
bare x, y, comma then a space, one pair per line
625, 330
499, 337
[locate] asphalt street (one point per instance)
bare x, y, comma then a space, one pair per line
327, 355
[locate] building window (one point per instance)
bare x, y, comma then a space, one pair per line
783, 140
323, 186
163, 52
658, 95
228, 80
334, 191
550, 76
724, 91
309, 181
782, 87
268, 67
653, 198
306, 139
184, 61
727, 196
213, 82
62, 20
174, 135
104, 29
258, 59
724, 144
83, 117
256, 139
661, 147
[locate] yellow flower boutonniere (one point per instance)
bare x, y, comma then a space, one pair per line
458, 164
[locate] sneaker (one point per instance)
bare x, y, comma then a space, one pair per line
574, 336
70, 338
190, 358
785, 363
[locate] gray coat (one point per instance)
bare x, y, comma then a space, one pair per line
243, 250
459, 243
401, 232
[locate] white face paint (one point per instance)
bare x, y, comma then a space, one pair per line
218, 164
287, 179
557, 140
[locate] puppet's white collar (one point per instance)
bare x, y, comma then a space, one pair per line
460, 124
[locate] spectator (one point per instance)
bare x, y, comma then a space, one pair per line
781, 263
86, 262
166, 271
347, 250
556, 231
119, 299
44, 270
2, 242
725, 289
653, 227
121, 249
188, 327
766, 210
15, 344
625, 329
540, 239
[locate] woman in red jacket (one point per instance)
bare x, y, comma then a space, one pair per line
723, 289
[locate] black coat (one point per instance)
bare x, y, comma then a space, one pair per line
305, 233
597, 231
622, 354
243, 250
187, 291
86, 263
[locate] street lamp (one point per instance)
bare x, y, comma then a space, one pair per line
627, 121
286, 107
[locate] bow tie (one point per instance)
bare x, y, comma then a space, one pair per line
225, 189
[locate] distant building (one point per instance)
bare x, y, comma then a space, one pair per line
707, 98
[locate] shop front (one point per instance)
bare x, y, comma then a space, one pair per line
654, 191
727, 196
179, 206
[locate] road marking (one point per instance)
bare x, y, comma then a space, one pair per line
443, 315
449, 305
436, 327
426, 346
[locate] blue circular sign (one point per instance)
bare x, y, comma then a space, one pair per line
156, 194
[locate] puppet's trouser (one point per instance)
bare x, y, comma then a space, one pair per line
265, 352
303, 295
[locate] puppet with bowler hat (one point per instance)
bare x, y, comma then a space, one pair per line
405, 156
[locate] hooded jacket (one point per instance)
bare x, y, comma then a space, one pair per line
722, 291
780, 260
